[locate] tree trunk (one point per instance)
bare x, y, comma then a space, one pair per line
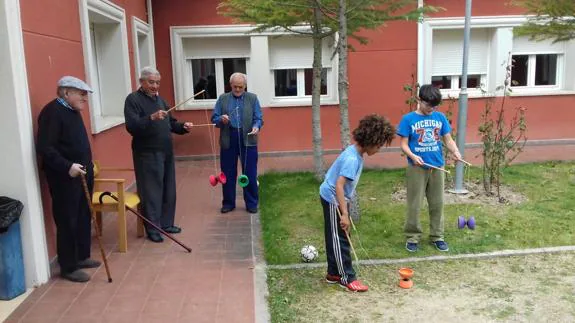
315, 96
343, 87
343, 84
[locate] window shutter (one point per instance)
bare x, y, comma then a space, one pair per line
216, 47
293, 52
522, 45
447, 52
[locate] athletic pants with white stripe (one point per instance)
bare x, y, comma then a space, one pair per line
337, 247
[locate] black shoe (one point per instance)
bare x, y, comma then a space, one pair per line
155, 237
173, 229
252, 210
227, 209
76, 276
88, 263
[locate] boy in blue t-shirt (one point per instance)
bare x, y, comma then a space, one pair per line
421, 132
338, 188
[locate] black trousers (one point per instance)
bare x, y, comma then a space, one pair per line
156, 181
72, 217
337, 247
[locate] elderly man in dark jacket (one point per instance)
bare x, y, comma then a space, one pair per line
65, 149
150, 125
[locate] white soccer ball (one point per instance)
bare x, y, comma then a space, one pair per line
309, 253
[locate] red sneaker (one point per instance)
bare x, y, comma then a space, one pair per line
332, 279
355, 286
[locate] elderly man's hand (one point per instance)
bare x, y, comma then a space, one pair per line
76, 169
255, 131
188, 126
159, 115
225, 119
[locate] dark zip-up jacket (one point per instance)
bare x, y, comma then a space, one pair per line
148, 135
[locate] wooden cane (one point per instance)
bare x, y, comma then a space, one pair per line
203, 125
95, 222
179, 104
162, 231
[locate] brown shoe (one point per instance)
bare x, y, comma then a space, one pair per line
76, 276
88, 263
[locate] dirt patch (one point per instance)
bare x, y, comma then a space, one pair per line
534, 288
476, 195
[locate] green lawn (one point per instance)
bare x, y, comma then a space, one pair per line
291, 214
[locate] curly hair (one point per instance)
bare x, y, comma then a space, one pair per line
374, 131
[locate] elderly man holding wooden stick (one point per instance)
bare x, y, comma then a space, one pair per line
64, 146
149, 122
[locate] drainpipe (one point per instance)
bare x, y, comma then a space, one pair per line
151, 24
420, 47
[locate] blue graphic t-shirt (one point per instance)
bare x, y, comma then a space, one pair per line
425, 133
348, 164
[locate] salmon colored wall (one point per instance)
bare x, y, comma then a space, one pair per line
53, 48
548, 117
377, 73
455, 8
395, 43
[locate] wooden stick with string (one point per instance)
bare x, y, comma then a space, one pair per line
465, 162
347, 234
438, 168
179, 104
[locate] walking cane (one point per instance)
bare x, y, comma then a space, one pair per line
188, 249
93, 214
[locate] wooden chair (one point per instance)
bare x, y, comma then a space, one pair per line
110, 205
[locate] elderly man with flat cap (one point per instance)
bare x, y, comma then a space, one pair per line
64, 147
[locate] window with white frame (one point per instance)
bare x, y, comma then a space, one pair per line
278, 65
143, 46
211, 62
291, 60
447, 58
536, 64
106, 61
538, 67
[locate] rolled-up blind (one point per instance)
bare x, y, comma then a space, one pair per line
522, 45
216, 47
447, 54
292, 52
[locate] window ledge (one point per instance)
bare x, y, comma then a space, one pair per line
198, 105
300, 102
103, 123
471, 93
540, 92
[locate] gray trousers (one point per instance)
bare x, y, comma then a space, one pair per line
428, 183
156, 181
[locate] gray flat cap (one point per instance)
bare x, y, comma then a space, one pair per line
70, 81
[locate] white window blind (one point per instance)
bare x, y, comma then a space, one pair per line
216, 47
522, 45
292, 52
447, 52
